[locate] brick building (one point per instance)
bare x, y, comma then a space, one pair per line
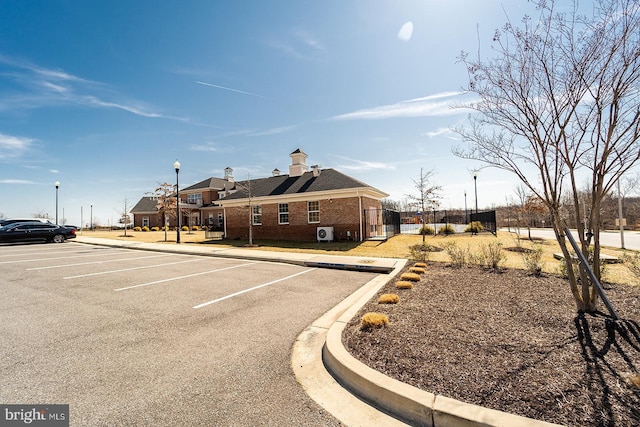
308, 204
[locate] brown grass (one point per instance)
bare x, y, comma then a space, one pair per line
373, 321
395, 247
412, 277
403, 284
388, 299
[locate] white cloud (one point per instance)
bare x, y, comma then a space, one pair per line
15, 181
362, 165
439, 132
13, 146
440, 104
406, 31
299, 44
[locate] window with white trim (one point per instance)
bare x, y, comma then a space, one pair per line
313, 211
145, 221
194, 199
257, 214
283, 213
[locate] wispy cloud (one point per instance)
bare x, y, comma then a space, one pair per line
440, 132
273, 131
37, 87
362, 165
229, 89
13, 146
15, 181
440, 104
298, 43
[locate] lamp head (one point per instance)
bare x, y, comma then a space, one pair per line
57, 184
176, 166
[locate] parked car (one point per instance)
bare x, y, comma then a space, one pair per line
14, 220
35, 231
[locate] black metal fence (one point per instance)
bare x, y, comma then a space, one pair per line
487, 219
381, 223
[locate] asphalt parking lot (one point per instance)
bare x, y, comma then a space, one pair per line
129, 337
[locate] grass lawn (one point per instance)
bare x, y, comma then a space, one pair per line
395, 247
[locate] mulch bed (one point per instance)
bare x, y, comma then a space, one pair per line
511, 342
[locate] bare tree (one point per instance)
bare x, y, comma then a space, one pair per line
426, 196
125, 218
164, 194
560, 100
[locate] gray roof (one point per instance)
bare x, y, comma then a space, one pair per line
146, 204
214, 183
327, 180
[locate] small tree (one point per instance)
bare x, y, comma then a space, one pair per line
426, 196
560, 101
164, 194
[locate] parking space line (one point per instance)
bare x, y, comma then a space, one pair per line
131, 268
96, 262
47, 259
31, 253
204, 304
184, 277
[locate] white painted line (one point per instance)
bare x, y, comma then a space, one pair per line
31, 253
48, 259
183, 277
204, 304
95, 262
132, 268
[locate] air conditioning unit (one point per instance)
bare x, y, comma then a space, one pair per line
325, 234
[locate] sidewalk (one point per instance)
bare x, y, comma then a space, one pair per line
332, 377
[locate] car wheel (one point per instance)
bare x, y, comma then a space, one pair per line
58, 238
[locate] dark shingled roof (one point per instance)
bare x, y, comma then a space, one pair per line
146, 204
215, 183
327, 180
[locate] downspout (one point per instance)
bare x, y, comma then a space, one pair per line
224, 220
360, 213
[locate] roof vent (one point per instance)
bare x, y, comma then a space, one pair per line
298, 163
316, 170
276, 172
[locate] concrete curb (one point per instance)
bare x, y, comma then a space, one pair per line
405, 402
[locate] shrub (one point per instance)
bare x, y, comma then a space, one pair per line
418, 270
404, 284
427, 230
373, 320
446, 229
412, 277
155, 228
165, 228
195, 228
145, 228
459, 256
633, 263
420, 264
421, 252
388, 299
533, 261
474, 227
490, 256
185, 228
137, 229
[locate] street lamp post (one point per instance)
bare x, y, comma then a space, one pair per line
57, 184
466, 218
176, 166
475, 186
91, 218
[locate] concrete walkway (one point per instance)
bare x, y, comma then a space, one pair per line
352, 392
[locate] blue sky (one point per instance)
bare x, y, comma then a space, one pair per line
105, 96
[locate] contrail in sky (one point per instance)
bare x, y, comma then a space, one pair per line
228, 88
